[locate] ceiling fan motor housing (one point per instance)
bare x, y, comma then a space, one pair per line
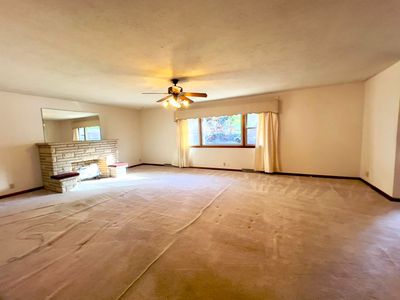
174, 89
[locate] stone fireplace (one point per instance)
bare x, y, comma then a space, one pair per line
61, 158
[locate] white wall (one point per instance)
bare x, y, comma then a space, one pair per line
381, 122
320, 130
320, 134
229, 158
158, 132
21, 128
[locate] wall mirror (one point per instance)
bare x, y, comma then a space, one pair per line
67, 126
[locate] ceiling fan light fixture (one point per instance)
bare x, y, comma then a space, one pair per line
185, 103
176, 97
175, 103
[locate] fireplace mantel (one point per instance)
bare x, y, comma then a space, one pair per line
59, 158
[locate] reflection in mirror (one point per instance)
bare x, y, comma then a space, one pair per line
67, 126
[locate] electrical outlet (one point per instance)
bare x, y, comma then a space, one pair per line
11, 185
366, 174
224, 164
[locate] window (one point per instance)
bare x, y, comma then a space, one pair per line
223, 131
251, 129
81, 133
91, 133
194, 132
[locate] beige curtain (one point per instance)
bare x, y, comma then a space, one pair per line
75, 136
266, 152
183, 143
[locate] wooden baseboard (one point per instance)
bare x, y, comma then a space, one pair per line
157, 165
134, 166
21, 192
218, 169
317, 175
380, 191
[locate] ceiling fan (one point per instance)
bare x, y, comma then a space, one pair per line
176, 96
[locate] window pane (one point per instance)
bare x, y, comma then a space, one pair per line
93, 133
194, 133
252, 120
81, 134
251, 136
224, 130
251, 128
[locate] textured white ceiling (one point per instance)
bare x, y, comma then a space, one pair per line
110, 51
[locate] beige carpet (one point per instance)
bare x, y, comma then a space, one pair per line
167, 233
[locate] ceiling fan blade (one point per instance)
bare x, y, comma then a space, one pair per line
183, 97
165, 98
155, 93
194, 94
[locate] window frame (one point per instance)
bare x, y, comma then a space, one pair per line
244, 137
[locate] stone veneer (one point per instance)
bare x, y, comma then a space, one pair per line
59, 158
